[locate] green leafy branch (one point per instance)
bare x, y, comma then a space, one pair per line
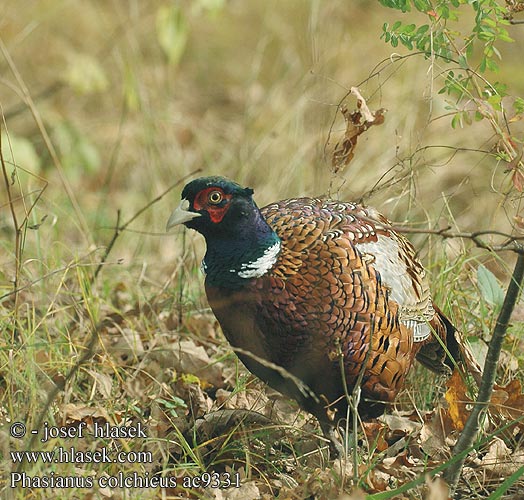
439, 39
467, 57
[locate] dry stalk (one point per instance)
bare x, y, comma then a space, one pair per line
17, 245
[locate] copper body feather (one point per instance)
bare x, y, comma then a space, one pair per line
346, 292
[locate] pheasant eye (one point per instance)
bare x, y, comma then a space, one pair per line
215, 197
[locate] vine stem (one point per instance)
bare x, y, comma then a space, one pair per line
469, 434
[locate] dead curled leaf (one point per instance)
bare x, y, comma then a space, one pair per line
497, 461
402, 465
506, 405
457, 400
357, 122
103, 383
435, 434
375, 432
186, 356
75, 413
403, 423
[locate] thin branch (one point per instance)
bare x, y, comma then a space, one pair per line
511, 242
469, 434
109, 247
119, 229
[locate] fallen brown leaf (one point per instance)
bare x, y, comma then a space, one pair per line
103, 383
374, 432
401, 423
81, 413
433, 435
457, 400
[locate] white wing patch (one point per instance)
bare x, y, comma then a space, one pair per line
415, 313
260, 266
421, 330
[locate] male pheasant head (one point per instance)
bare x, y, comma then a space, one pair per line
240, 243
213, 205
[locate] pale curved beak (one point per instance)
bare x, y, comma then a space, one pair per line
180, 215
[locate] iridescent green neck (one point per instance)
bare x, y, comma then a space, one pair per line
232, 261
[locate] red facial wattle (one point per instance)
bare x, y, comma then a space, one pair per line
216, 211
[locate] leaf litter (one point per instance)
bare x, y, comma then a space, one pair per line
202, 407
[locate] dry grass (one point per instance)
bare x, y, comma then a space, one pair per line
111, 125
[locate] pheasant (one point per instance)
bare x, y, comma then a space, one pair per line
315, 295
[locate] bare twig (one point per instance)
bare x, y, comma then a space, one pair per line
472, 426
109, 247
118, 229
511, 242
